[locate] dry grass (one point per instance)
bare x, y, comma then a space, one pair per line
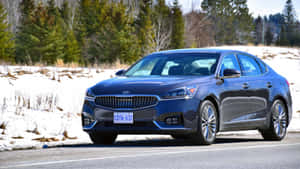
72, 71
266, 56
60, 63
59, 108
23, 72
35, 131
3, 126
10, 75
44, 139
18, 137
116, 65
66, 74
43, 71
66, 136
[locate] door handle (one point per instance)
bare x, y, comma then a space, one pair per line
269, 84
245, 86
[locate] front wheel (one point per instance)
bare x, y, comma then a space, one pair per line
278, 126
103, 138
207, 124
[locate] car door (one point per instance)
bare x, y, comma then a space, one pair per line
233, 96
256, 89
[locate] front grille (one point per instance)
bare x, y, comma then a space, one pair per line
131, 102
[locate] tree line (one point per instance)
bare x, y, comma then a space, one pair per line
105, 31
282, 29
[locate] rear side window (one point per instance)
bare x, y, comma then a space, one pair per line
249, 66
262, 66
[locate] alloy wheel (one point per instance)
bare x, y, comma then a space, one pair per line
208, 122
279, 120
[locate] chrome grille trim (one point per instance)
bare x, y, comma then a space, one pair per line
126, 101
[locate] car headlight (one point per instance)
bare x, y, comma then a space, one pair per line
89, 93
185, 92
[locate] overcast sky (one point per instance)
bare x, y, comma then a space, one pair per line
256, 7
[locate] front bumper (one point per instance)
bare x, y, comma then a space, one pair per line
150, 120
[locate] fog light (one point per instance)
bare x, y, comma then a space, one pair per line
87, 119
172, 120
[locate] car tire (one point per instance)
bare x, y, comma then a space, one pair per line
278, 122
207, 124
103, 138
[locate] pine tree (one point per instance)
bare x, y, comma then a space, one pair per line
221, 13
6, 43
145, 27
244, 23
258, 30
177, 37
24, 40
269, 36
233, 23
71, 48
290, 21
65, 13
54, 44
282, 39
41, 38
86, 18
84, 27
115, 38
26, 8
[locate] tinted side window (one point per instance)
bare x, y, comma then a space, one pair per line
249, 66
262, 65
229, 62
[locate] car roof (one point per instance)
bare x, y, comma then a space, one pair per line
196, 50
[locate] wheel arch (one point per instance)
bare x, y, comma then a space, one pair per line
279, 97
213, 99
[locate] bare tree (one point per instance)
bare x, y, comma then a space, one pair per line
12, 13
198, 30
162, 32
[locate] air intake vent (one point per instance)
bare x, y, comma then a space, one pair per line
130, 102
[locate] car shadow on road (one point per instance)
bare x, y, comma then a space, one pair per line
165, 143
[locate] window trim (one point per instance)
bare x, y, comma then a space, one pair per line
221, 62
265, 65
254, 58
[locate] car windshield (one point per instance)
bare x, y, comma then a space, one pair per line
179, 64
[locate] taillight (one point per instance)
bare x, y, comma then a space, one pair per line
287, 82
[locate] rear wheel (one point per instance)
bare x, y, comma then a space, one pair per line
278, 126
103, 138
207, 125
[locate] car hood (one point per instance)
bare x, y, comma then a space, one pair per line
148, 85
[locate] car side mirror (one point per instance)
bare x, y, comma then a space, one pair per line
230, 73
120, 72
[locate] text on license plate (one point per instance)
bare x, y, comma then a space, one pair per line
123, 117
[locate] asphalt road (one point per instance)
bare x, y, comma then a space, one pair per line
236, 152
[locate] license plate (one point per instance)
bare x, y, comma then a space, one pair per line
123, 117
